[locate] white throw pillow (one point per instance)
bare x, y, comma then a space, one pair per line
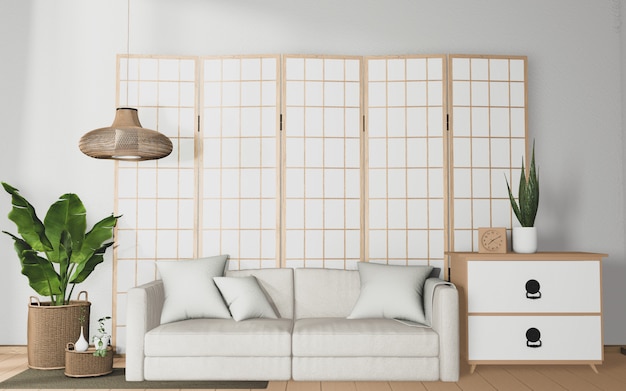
245, 298
190, 291
393, 292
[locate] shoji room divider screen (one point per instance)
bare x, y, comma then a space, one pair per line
488, 141
322, 166
405, 154
316, 161
238, 160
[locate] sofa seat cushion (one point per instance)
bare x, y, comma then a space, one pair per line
340, 337
220, 337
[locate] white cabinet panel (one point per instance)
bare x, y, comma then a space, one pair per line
561, 338
564, 286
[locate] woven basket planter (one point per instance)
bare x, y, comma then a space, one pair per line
85, 364
51, 328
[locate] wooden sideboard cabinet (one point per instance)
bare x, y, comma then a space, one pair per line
541, 308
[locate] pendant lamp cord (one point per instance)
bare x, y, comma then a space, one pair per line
127, 49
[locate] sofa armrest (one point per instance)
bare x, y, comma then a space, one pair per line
445, 321
144, 305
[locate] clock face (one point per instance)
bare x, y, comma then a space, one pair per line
492, 240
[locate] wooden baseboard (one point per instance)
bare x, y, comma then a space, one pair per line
614, 348
13, 349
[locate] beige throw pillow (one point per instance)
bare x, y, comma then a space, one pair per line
393, 292
190, 291
245, 298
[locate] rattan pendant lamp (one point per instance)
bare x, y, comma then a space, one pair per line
125, 139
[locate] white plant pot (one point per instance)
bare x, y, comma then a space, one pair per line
525, 240
104, 338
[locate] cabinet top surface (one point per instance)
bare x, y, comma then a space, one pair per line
571, 255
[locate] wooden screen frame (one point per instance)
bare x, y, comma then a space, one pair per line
427, 136
513, 170
284, 164
236, 259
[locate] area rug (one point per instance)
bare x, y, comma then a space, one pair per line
56, 379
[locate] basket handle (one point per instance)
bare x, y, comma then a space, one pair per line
34, 301
80, 293
70, 346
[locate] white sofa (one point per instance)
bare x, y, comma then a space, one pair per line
312, 339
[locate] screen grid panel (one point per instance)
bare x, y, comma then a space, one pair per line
405, 188
322, 160
155, 198
240, 146
488, 127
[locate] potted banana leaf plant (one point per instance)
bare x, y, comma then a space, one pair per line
56, 255
525, 237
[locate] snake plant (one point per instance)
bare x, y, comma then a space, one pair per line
57, 253
528, 196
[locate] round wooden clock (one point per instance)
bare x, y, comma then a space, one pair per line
492, 240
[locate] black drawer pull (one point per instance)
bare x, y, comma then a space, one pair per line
532, 289
533, 338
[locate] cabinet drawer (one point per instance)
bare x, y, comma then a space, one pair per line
558, 338
533, 286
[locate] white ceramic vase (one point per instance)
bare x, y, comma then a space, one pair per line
525, 240
81, 345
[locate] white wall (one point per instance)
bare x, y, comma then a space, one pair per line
57, 80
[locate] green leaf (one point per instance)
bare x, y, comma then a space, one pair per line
40, 272
532, 197
101, 232
65, 253
513, 202
84, 269
66, 214
522, 197
25, 218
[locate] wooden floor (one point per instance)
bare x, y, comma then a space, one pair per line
611, 377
